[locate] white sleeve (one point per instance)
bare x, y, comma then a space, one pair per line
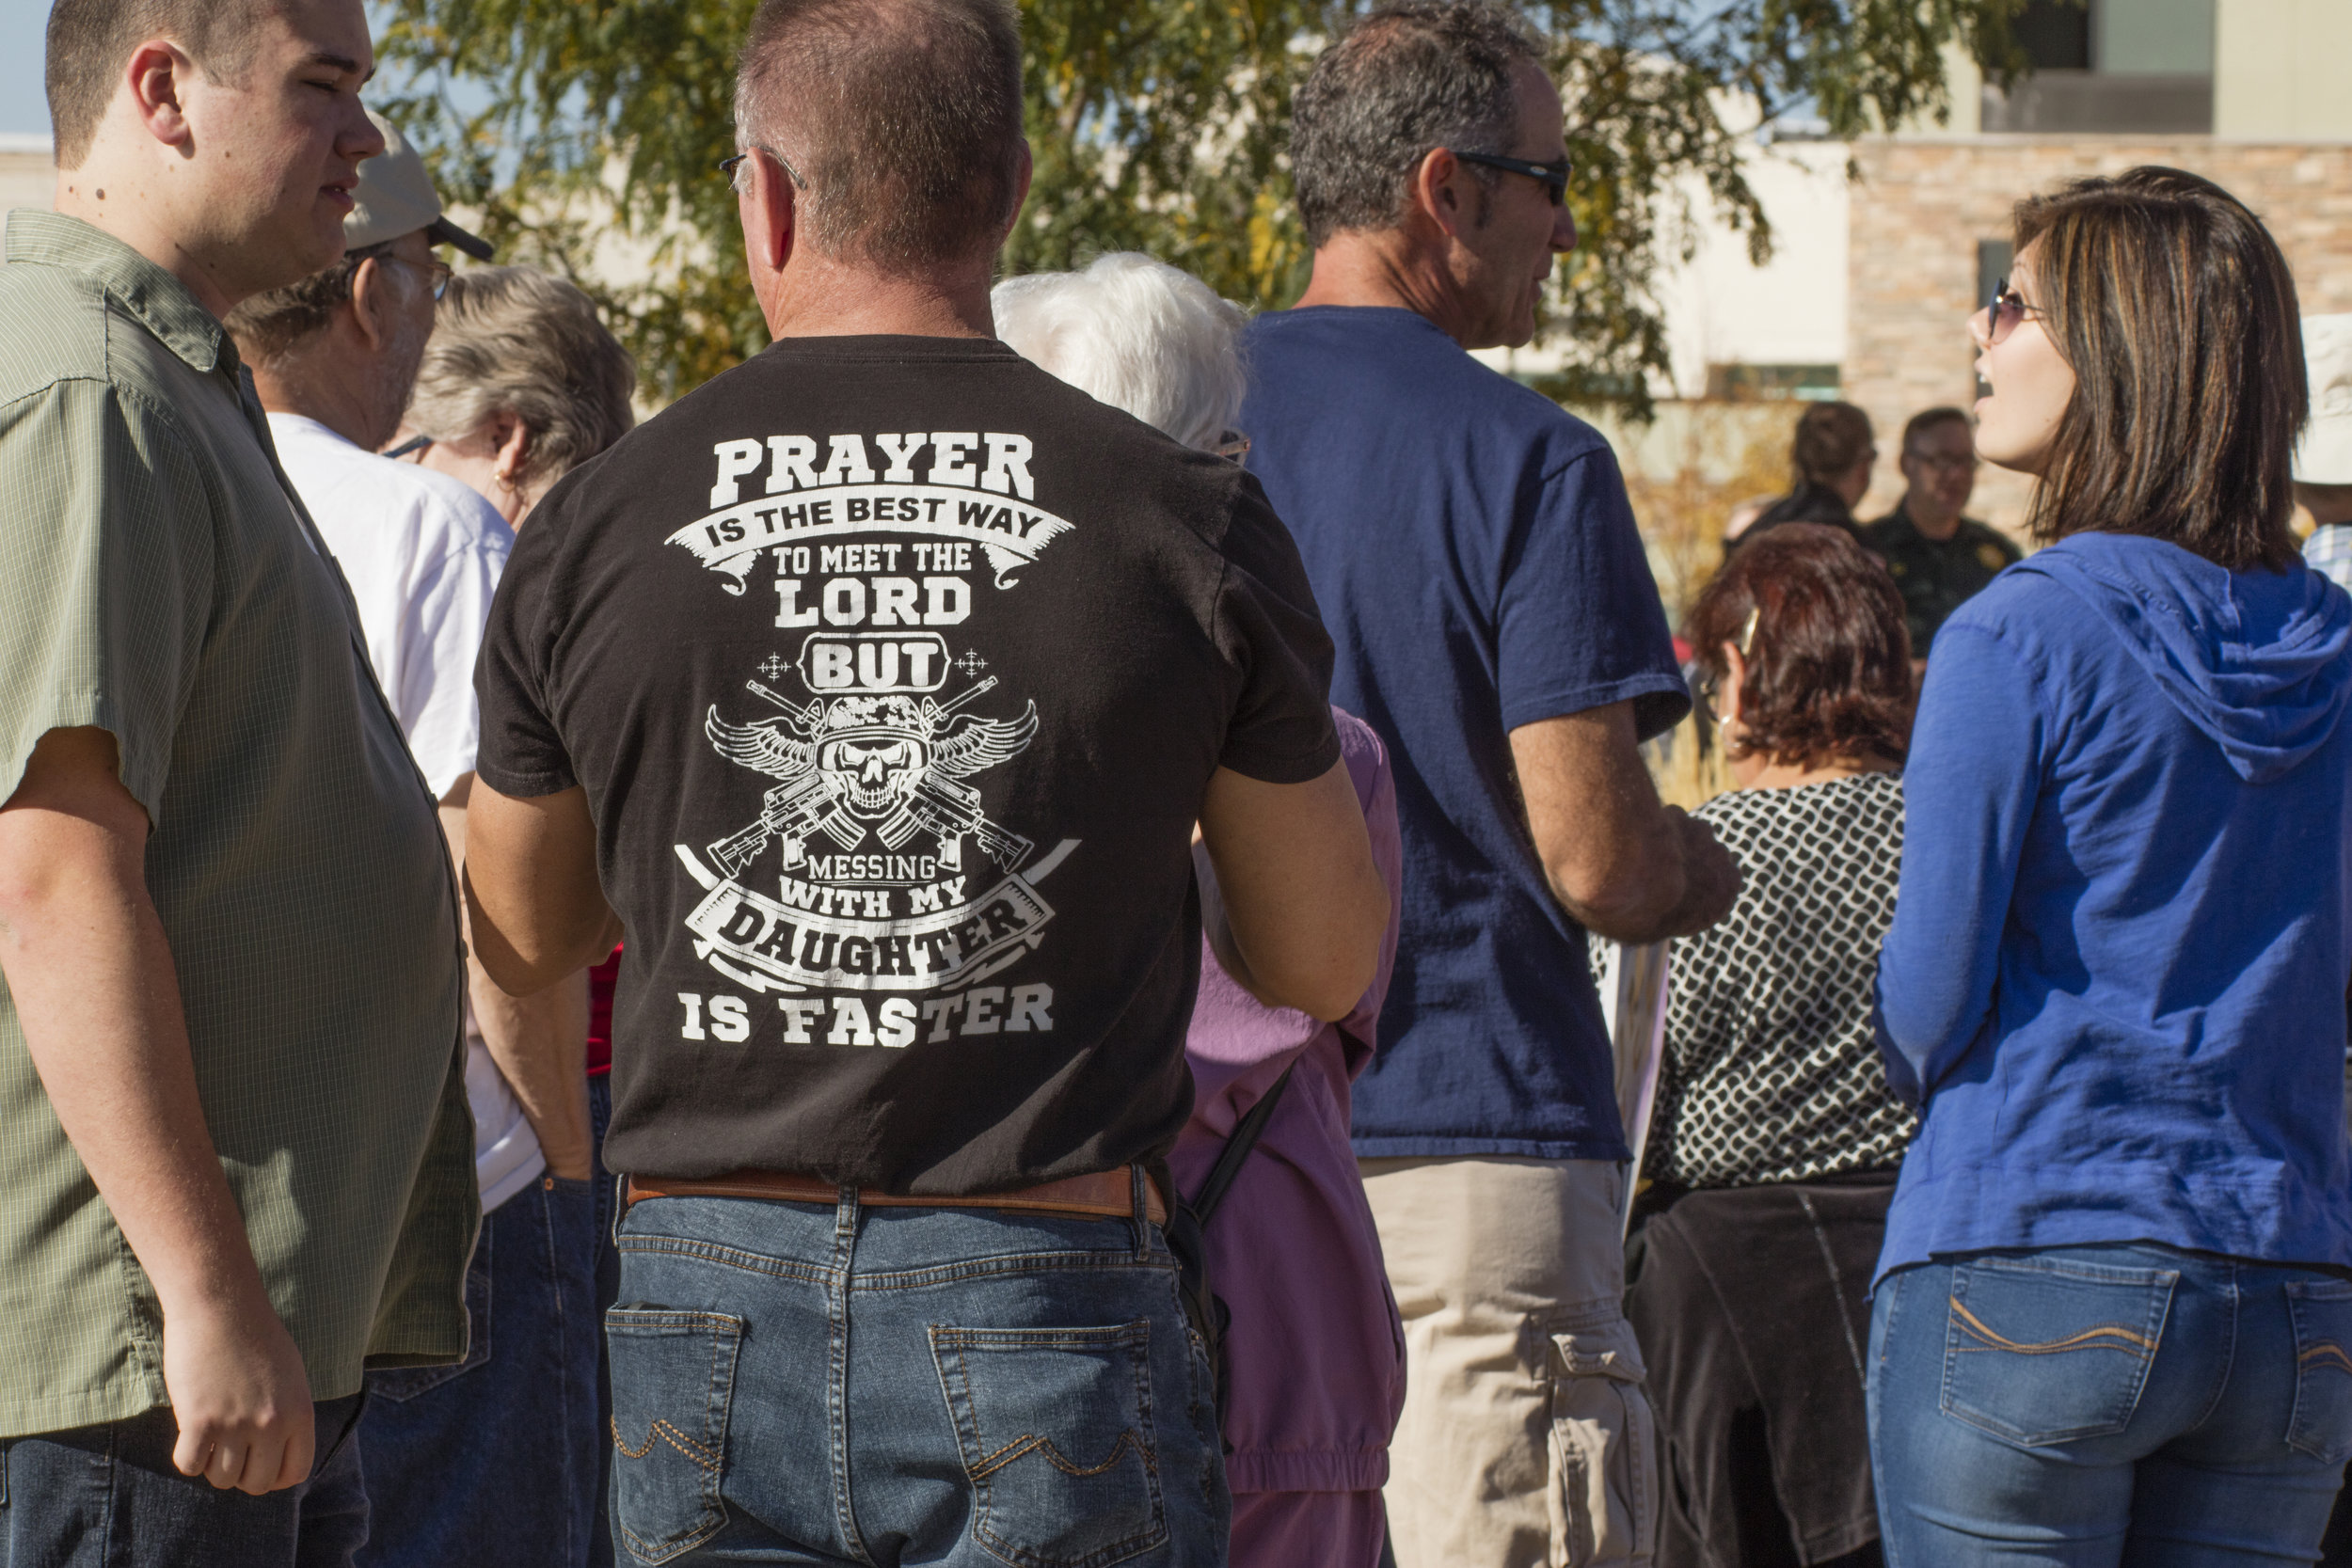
446, 616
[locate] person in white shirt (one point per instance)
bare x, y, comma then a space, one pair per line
497, 1458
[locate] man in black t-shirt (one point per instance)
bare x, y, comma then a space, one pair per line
878, 686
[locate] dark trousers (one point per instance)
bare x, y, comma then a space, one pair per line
107, 1497
494, 1460
1752, 1312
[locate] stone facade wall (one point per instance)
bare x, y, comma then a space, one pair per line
1921, 206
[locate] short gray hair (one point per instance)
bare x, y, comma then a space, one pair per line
1412, 76
1137, 333
271, 325
902, 116
515, 341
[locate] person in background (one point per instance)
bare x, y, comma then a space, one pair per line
236, 1157
1473, 552
879, 684
1939, 558
2323, 458
499, 1453
519, 383
1775, 1142
1831, 455
1315, 1375
2111, 1322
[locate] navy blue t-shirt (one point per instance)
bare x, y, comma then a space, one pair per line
1477, 565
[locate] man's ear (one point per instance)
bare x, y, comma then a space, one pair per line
770, 213
157, 74
1440, 191
371, 303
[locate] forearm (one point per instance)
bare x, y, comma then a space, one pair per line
1636, 891
539, 912
539, 1044
95, 990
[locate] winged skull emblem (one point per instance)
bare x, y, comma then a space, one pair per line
893, 763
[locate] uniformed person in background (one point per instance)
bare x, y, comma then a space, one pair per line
1939, 558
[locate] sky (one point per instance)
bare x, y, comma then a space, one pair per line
24, 107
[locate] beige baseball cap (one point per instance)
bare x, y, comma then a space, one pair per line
2324, 456
395, 196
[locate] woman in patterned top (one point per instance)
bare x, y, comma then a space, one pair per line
1773, 1147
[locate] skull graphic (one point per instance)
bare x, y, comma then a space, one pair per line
873, 751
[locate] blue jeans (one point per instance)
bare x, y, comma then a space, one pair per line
494, 1460
960, 1388
107, 1497
2108, 1404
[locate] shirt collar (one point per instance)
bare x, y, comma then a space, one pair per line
158, 301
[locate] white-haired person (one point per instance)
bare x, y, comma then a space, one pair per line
519, 383
1313, 1373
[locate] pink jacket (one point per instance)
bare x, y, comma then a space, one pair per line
1316, 1354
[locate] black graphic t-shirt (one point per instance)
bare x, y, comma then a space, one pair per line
895, 671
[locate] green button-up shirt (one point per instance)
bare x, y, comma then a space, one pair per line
158, 578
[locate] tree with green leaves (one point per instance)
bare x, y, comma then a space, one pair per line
587, 134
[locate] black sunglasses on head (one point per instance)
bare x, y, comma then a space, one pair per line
1554, 176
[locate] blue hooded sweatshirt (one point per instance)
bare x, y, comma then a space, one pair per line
2116, 979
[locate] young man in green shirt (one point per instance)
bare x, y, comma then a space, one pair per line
1939, 558
236, 1165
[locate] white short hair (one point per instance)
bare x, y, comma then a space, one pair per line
1137, 333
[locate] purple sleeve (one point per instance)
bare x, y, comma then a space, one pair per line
1969, 791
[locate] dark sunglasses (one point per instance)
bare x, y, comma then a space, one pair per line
729, 165
1554, 176
2004, 311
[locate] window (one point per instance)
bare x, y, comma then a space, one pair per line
2109, 66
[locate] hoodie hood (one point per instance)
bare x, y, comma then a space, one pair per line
2261, 661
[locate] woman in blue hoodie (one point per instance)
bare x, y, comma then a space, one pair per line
2112, 1322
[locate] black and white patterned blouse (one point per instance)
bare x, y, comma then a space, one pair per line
1770, 1073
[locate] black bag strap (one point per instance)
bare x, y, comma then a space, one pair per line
1204, 1203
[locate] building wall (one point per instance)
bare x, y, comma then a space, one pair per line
1922, 206
2278, 69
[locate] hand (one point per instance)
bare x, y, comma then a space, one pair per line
1710, 877
240, 1395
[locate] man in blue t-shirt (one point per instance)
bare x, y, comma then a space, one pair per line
1475, 557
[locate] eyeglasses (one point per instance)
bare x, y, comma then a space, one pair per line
1554, 176
437, 272
729, 165
1946, 462
2004, 311
413, 447
1232, 444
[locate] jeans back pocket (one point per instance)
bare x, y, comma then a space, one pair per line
1055, 1425
672, 1382
2322, 1423
2046, 1349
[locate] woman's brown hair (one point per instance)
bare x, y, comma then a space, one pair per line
2177, 313
1828, 660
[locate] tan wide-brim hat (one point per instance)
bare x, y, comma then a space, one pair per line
2324, 456
395, 196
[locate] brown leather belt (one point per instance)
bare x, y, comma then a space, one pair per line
1105, 1194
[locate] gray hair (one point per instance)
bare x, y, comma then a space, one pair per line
515, 341
271, 325
901, 120
1413, 76
1137, 333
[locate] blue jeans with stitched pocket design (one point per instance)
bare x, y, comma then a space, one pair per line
800, 1383
2127, 1405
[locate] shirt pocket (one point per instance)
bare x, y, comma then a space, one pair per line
1054, 1429
673, 1384
2044, 1351
2322, 1423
